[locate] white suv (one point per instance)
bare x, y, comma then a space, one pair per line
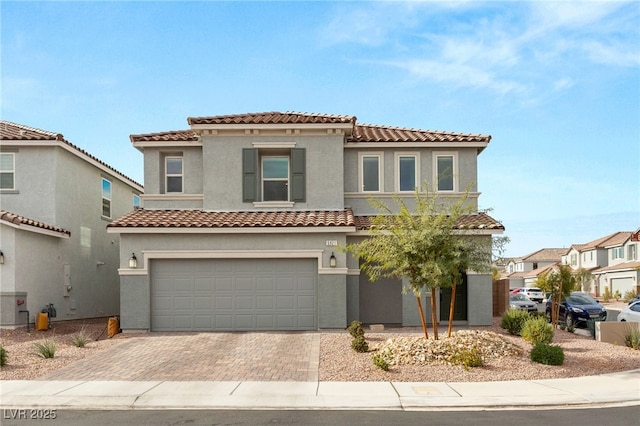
534, 293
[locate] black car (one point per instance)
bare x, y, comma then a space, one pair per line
577, 309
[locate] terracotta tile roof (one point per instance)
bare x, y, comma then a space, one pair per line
546, 254
373, 133
18, 132
472, 221
141, 218
360, 132
169, 136
614, 239
274, 117
619, 266
21, 220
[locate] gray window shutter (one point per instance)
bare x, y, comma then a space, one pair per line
298, 181
249, 174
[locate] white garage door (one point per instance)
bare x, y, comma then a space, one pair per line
233, 294
622, 285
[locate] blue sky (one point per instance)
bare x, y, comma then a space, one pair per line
556, 84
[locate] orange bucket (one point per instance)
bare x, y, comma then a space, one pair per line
113, 327
42, 321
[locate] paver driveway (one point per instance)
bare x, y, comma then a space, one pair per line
265, 356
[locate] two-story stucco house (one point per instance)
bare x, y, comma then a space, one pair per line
244, 217
612, 260
524, 271
55, 202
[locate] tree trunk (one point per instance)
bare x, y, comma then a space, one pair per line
452, 306
424, 323
434, 316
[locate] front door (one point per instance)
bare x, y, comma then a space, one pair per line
460, 306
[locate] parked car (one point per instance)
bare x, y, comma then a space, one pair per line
534, 293
634, 299
630, 313
577, 309
522, 301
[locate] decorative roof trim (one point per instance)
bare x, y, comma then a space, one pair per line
20, 222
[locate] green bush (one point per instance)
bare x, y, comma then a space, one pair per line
469, 357
606, 296
46, 348
380, 362
355, 329
3, 356
360, 345
537, 330
632, 337
513, 320
546, 354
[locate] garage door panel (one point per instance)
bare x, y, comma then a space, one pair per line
265, 302
244, 302
234, 294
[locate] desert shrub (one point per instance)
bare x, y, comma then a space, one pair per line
513, 320
355, 329
360, 345
546, 354
571, 328
380, 362
628, 295
3, 356
468, 357
80, 338
46, 348
606, 295
537, 330
617, 295
632, 337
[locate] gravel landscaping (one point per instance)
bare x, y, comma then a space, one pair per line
506, 357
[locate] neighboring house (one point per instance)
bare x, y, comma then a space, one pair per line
245, 216
56, 200
622, 273
524, 271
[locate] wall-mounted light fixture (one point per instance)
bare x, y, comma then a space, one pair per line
332, 260
1, 257
133, 261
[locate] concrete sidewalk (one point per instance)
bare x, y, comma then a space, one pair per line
617, 389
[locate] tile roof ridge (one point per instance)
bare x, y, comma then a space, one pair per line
17, 219
56, 135
413, 129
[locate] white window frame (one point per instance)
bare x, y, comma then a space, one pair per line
361, 157
168, 175
436, 183
106, 197
135, 200
617, 253
416, 157
12, 171
263, 179
632, 252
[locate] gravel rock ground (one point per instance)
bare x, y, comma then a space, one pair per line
338, 362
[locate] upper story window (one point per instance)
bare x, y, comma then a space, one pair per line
370, 178
535, 265
407, 172
136, 200
445, 170
275, 178
274, 175
7, 170
617, 253
574, 259
632, 253
173, 174
106, 198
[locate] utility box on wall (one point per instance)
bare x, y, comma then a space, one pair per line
11, 305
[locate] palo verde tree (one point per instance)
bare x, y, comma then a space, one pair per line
420, 244
559, 283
